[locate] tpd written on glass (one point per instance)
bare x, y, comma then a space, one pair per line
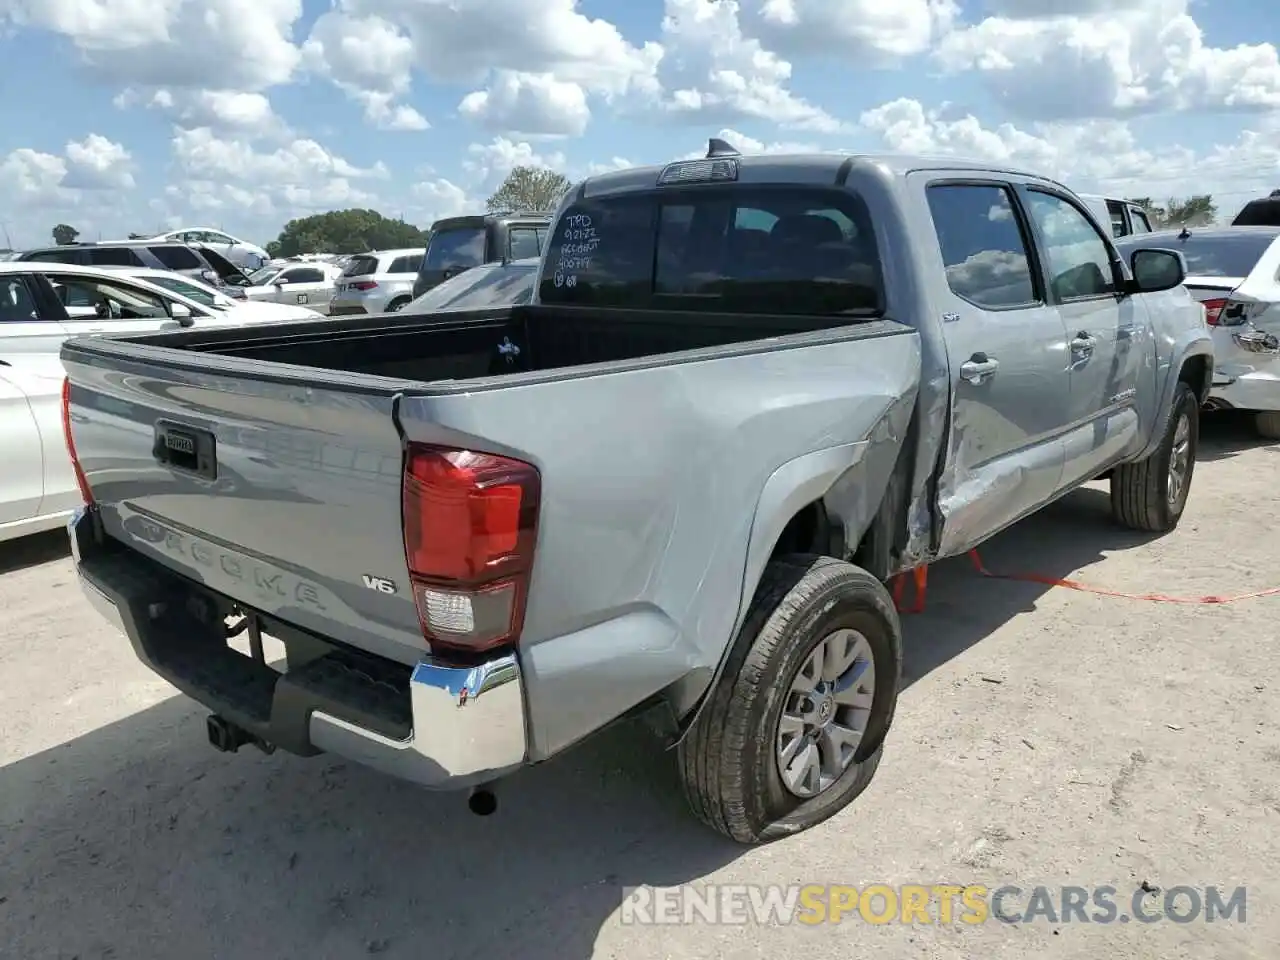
578, 241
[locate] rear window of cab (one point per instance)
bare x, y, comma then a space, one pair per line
736, 249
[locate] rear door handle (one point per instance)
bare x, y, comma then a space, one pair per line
979, 367
1083, 344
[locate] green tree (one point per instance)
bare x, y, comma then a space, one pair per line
530, 188
345, 231
1196, 211
64, 234
1154, 213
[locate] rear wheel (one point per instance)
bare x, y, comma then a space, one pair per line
397, 305
1267, 423
1152, 493
793, 730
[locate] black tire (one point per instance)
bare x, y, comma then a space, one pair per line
395, 306
1267, 423
1140, 491
728, 761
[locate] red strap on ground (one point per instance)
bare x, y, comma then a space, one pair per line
921, 577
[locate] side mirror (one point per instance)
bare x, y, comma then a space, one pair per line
1156, 270
181, 313
279, 284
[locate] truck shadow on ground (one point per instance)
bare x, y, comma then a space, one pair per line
137, 840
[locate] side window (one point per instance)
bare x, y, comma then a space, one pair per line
56, 256
1140, 222
409, 264
983, 246
1115, 210
305, 275
106, 299
541, 233
114, 257
523, 243
16, 303
1079, 260
177, 258
219, 238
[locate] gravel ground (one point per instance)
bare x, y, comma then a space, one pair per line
1044, 737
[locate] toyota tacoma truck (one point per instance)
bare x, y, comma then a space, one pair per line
748, 392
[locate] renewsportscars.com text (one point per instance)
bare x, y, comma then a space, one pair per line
814, 904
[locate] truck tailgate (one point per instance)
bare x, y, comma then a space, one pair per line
282, 494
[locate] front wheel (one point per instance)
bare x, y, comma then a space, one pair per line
793, 730
1152, 493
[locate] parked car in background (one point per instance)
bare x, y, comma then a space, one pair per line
240, 252
1235, 274
192, 261
37, 485
500, 284
1123, 216
256, 311
749, 390
41, 304
460, 243
1263, 212
377, 282
299, 284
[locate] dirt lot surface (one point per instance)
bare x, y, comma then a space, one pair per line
1044, 737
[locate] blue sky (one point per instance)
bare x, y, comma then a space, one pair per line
141, 114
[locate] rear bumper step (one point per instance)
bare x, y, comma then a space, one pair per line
443, 727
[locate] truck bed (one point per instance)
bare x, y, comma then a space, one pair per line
481, 344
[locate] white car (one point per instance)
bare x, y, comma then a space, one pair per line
37, 485
297, 283
1235, 274
377, 282
253, 311
42, 304
234, 249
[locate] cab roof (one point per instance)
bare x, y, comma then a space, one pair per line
804, 168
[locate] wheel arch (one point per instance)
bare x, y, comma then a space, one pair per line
797, 512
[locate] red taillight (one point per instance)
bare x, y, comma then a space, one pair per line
1213, 310
470, 525
85, 494
363, 285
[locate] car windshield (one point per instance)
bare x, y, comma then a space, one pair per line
262, 277
453, 248
492, 285
189, 290
1223, 255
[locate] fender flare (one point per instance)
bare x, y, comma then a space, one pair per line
793, 485
1192, 343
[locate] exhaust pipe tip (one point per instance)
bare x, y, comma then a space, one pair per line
482, 802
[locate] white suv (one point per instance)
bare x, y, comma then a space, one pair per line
377, 282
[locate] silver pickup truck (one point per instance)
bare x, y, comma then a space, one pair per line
748, 392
